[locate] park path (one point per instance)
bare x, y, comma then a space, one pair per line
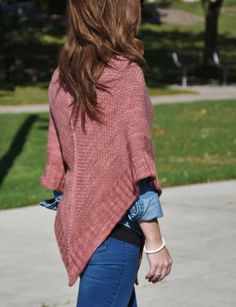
202, 93
199, 229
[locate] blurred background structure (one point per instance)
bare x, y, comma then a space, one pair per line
187, 42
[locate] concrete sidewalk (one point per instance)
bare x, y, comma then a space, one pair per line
199, 229
202, 93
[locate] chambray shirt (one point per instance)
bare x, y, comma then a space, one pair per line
146, 207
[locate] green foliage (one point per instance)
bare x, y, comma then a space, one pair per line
23, 37
229, 2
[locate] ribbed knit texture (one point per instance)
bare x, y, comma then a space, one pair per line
98, 171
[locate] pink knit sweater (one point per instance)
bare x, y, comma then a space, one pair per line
98, 171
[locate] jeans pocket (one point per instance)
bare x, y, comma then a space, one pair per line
102, 247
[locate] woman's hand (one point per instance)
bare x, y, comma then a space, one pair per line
159, 262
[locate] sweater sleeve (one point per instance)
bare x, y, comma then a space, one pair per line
137, 115
53, 177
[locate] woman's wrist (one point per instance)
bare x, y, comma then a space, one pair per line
153, 244
156, 249
152, 233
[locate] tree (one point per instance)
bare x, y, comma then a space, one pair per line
56, 7
212, 12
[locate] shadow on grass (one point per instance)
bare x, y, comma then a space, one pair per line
16, 146
159, 45
42, 43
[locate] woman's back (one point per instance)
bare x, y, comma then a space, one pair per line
119, 78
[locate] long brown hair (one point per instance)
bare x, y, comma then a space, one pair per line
97, 30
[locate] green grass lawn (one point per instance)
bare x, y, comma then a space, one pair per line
24, 95
195, 142
165, 90
192, 142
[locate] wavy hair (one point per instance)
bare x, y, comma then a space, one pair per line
97, 30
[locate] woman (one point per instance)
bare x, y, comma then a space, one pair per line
100, 158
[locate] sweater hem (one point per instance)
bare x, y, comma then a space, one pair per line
118, 189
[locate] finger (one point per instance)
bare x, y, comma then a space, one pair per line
154, 275
151, 272
163, 271
163, 274
170, 266
168, 269
155, 278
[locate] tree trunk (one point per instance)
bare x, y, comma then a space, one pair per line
212, 12
56, 7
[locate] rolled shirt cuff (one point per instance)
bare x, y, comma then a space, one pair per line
146, 207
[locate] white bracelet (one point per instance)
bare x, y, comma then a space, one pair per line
155, 250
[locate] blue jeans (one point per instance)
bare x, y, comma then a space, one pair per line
109, 277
